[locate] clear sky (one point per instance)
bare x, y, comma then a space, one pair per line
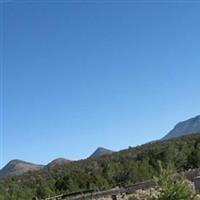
82, 74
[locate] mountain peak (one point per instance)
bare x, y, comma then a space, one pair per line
58, 161
186, 127
17, 167
100, 151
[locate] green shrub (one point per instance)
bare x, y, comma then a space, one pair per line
171, 188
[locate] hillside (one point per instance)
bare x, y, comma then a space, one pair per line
121, 168
186, 127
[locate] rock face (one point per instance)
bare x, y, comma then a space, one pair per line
58, 161
187, 127
100, 152
18, 167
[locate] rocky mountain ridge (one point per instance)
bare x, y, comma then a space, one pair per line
186, 127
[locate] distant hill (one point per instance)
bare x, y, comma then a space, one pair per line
187, 127
100, 152
18, 167
58, 161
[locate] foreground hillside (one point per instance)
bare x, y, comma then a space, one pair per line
121, 168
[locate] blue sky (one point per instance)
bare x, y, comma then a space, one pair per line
82, 74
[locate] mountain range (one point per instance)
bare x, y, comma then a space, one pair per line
18, 167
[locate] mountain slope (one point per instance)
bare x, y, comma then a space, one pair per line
187, 127
100, 152
18, 167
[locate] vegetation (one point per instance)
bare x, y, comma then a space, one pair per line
172, 188
168, 187
121, 168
